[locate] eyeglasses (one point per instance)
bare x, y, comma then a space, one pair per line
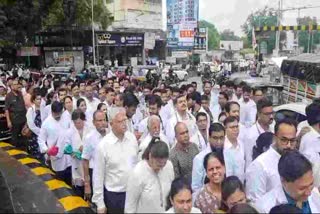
286, 141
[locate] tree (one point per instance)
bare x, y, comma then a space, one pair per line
228, 35
20, 19
213, 34
57, 14
263, 17
308, 40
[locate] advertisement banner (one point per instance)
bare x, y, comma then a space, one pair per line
200, 40
182, 20
114, 39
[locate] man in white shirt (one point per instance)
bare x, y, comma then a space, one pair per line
102, 95
168, 110
116, 155
216, 140
92, 102
201, 137
222, 102
296, 188
154, 107
50, 132
263, 124
153, 130
91, 142
110, 96
130, 103
310, 142
233, 150
248, 108
262, 175
181, 115
75, 94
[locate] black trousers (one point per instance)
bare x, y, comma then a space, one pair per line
114, 201
79, 190
16, 138
65, 176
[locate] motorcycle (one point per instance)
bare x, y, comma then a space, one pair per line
153, 79
172, 79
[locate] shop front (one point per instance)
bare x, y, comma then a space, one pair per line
120, 49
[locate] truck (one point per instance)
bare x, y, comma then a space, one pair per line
300, 77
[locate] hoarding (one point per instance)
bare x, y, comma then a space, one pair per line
182, 20
200, 40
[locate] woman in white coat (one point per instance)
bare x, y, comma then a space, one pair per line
72, 144
149, 184
68, 109
34, 123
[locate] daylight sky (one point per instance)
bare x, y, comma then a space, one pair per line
231, 14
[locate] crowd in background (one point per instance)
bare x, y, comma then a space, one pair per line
125, 146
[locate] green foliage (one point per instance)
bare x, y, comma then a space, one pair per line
213, 34
228, 35
305, 39
83, 13
263, 17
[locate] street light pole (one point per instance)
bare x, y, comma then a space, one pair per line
93, 37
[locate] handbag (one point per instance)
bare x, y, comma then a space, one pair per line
26, 132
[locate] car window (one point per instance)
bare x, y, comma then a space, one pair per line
282, 114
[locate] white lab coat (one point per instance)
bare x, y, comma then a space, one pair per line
262, 175
31, 115
310, 147
248, 112
73, 138
277, 196
49, 134
249, 138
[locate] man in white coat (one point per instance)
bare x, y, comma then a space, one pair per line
310, 142
50, 132
297, 186
262, 175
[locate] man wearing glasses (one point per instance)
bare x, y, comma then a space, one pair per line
263, 124
216, 140
262, 175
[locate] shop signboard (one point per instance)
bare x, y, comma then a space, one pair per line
120, 40
182, 20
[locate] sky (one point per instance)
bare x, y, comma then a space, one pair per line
231, 14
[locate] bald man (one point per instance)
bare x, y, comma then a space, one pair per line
183, 152
154, 130
116, 155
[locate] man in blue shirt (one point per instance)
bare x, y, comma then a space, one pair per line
216, 140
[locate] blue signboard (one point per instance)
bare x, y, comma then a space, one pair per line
182, 19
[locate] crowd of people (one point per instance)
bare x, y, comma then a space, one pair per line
127, 147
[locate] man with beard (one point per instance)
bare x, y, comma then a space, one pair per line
263, 124
248, 108
15, 112
216, 140
90, 144
220, 107
262, 175
180, 115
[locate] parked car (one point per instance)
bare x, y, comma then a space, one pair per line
295, 111
181, 73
